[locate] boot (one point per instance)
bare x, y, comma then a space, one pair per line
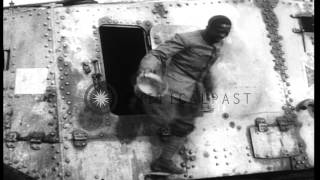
164, 162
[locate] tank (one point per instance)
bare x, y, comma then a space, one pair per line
70, 110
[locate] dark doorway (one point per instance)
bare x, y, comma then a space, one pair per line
123, 48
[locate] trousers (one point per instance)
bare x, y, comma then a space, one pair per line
178, 115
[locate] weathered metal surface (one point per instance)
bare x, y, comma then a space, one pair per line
77, 41
31, 49
297, 59
42, 164
273, 143
32, 108
63, 39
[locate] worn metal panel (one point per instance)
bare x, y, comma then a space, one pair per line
31, 48
222, 147
297, 59
76, 42
40, 164
240, 61
273, 143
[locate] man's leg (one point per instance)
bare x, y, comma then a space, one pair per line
180, 127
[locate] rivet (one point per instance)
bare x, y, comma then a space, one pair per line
96, 177
217, 164
225, 115
66, 147
61, 87
68, 93
69, 102
48, 18
65, 64
54, 157
67, 160
216, 157
62, 17
61, 77
67, 83
45, 24
227, 163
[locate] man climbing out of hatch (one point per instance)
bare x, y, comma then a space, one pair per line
183, 65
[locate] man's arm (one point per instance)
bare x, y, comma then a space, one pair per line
156, 59
208, 85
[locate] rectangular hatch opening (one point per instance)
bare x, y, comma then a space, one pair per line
123, 47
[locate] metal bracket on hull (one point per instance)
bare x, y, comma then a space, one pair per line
34, 138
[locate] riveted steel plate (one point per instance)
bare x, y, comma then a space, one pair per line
42, 164
273, 143
31, 54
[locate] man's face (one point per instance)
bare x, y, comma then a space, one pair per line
218, 32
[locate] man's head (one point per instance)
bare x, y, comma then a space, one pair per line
218, 28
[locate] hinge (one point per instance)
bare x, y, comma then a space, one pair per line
261, 124
34, 138
79, 138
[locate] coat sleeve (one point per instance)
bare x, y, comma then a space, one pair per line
156, 60
208, 82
